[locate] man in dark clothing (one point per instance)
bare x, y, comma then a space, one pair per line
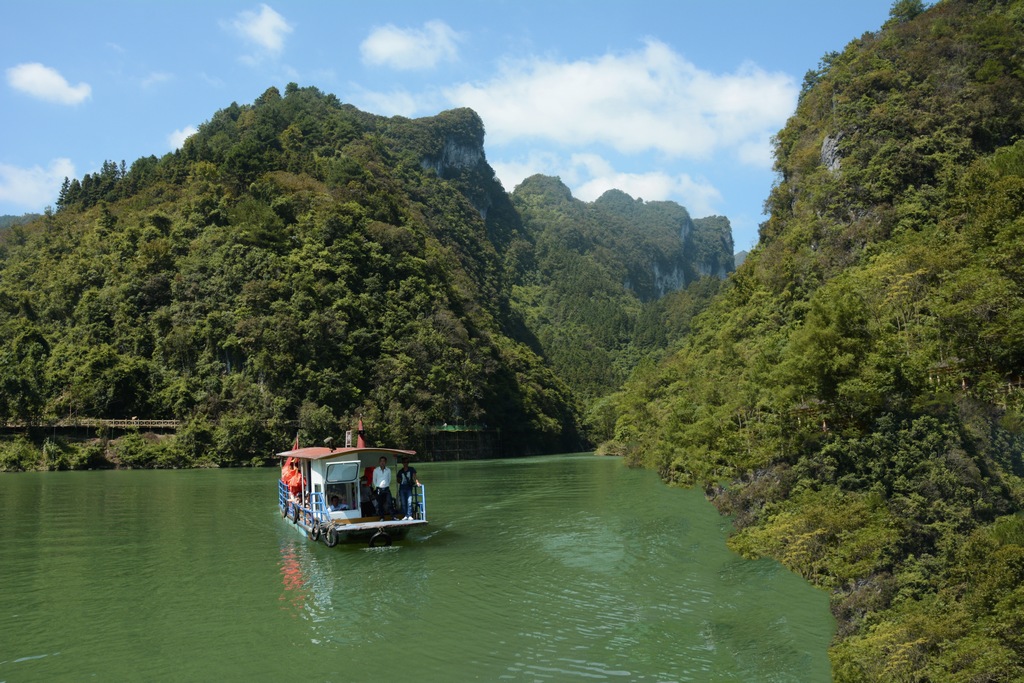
406, 480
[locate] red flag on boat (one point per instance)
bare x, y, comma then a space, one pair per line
296, 446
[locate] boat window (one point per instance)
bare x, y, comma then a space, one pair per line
342, 471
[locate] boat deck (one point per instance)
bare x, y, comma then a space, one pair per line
368, 523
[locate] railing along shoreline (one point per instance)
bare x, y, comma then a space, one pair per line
93, 422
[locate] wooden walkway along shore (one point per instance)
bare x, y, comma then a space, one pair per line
95, 422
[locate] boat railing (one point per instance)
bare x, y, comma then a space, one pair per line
282, 495
419, 501
319, 512
318, 508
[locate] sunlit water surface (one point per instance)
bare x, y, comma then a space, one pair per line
566, 568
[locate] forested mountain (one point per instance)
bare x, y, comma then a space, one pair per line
297, 260
853, 396
603, 284
300, 262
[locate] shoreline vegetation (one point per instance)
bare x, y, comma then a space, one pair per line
127, 450
88, 444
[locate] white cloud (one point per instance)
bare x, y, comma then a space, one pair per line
394, 103
176, 139
584, 167
591, 176
46, 83
212, 81
511, 173
650, 100
757, 152
34, 188
266, 29
410, 48
156, 77
698, 196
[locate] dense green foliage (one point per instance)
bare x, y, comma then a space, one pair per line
297, 262
604, 284
856, 386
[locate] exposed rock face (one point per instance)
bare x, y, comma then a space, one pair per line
670, 280
830, 155
455, 156
452, 145
718, 270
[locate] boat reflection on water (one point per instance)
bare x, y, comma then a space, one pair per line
308, 582
295, 591
354, 598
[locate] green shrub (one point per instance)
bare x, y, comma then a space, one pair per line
18, 455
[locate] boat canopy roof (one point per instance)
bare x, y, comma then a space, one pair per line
321, 452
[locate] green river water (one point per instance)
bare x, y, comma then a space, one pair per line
564, 568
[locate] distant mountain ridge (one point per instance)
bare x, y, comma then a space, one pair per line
655, 246
597, 277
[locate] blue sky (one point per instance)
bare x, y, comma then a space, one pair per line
672, 99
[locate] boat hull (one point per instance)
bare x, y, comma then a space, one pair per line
350, 531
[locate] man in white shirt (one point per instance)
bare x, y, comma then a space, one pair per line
382, 488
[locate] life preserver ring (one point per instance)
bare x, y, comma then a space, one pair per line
330, 536
380, 537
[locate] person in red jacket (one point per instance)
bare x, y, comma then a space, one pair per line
293, 480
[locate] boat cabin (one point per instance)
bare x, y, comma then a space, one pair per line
345, 475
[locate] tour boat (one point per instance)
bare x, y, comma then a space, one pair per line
346, 473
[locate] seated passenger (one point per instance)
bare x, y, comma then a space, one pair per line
337, 505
